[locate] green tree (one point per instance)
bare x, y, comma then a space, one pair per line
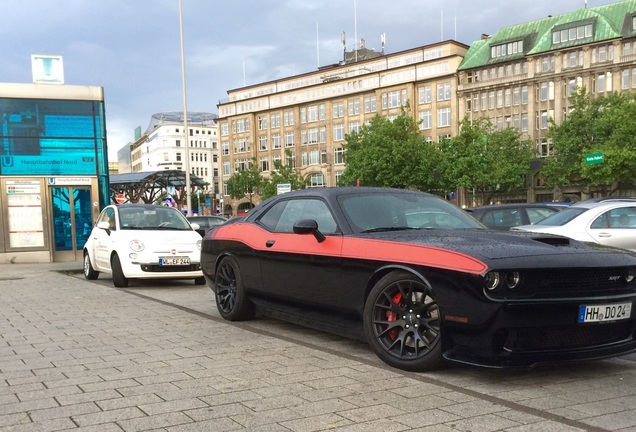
484, 159
246, 183
602, 124
390, 153
282, 174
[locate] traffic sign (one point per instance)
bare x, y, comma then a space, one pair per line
120, 198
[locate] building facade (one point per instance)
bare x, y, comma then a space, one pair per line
163, 147
53, 171
522, 76
302, 120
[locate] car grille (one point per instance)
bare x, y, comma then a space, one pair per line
565, 337
568, 283
170, 269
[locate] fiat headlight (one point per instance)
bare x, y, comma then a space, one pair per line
136, 245
199, 244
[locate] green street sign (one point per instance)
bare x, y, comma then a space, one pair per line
594, 158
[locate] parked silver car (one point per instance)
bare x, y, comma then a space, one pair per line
610, 223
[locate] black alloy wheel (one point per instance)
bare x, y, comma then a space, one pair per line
402, 323
89, 272
231, 298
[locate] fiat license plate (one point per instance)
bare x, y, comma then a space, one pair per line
601, 313
174, 261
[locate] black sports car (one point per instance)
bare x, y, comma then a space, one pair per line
422, 279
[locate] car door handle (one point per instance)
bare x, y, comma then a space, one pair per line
270, 243
604, 234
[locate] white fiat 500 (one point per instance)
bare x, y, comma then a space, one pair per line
143, 241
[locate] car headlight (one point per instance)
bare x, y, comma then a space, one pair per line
513, 279
136, 245
199, 244
630, 274
492, 280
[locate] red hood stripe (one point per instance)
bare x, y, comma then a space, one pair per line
350, 247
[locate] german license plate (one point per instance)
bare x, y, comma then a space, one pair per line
601, 313
174, 261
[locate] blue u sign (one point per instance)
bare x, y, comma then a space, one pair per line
7, 161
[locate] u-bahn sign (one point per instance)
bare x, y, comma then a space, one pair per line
594, 158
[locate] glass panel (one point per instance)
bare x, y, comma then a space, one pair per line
49, 136
83, 217
63, 237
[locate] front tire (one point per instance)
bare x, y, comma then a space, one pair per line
119, 279
89, 272
402, 323
231, 298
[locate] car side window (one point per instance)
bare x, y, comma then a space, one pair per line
537, 214
618, 218
108, 215
282, 216
502, 217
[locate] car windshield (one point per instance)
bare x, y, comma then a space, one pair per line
155, 218
372, 212
562, 217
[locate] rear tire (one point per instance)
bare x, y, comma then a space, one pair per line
402, 323
89, 272
231, 298
119, 279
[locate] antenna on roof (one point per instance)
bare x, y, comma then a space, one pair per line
441, 21
355, 29
383, 41
317, 47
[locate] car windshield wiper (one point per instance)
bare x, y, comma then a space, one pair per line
381, 229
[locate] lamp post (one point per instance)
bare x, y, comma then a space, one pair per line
185, 117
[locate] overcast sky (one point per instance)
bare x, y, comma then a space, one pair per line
132, 47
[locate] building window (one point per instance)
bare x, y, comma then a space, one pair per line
425, 120
226, 168
370, 104
276, 141
338, 132
524, 95
317, 180
354, 127
275, 120
289, 139
425, 94
264, 164
506, 49
572, 33
262, 122
288, 118
443, 117
338, 109
225, 148
312, 113
262, 142
338, 155
353, 106
443, 91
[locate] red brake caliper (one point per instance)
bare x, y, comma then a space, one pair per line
392, 316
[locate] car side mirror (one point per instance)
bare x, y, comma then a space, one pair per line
309, 226
103, 225
195, 226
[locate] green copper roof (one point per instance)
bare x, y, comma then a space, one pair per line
609, 22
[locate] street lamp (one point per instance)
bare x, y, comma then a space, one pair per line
185, 117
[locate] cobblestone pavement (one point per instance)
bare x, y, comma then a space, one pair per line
80, 355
